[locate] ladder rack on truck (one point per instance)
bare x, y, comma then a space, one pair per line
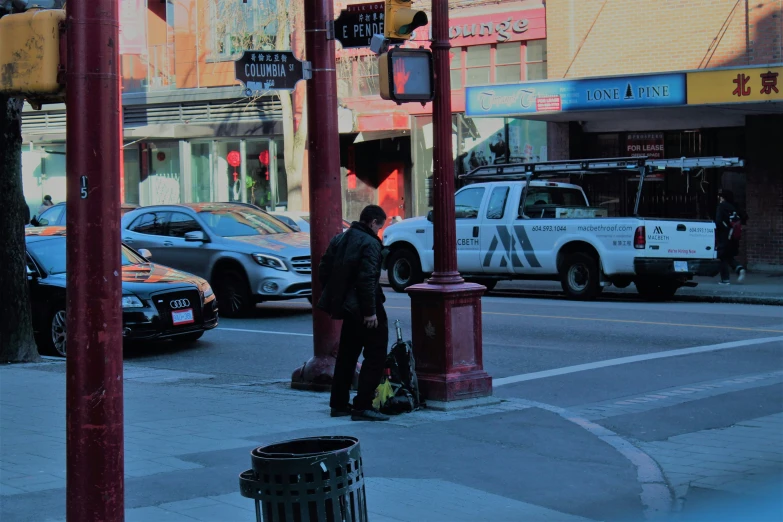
641, 165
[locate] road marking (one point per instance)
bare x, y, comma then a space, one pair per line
655, 495
626, 321
632, 359
263, 332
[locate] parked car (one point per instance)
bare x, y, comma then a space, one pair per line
247, 255
158, 302
300, 220
55, 215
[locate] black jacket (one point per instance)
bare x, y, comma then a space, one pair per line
350, 272
723, 223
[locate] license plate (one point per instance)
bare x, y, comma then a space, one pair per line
179, 317
680, 266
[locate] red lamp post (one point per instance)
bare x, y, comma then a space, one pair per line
94, 412
325, 184
446, 311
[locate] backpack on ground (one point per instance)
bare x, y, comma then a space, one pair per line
735, 227
401, 377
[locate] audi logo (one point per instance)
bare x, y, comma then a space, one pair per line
179, 303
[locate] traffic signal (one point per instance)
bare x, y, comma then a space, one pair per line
400, 20
32, 55
406, 75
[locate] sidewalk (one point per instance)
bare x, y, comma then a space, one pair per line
187, 440
758, 288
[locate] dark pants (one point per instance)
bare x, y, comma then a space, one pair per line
353, 337
727, 262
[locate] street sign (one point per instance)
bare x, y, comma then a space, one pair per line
357, 24
261, 71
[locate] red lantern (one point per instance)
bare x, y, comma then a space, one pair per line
234, 159
264, 158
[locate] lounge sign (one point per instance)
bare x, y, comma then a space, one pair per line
621, 92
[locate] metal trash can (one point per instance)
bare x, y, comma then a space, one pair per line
317, 479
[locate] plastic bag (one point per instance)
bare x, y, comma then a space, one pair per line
383, 393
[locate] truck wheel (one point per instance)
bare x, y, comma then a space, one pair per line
579, 277
657, 289
404, 269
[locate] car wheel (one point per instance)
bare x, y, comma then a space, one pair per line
579, 277
656, 290
404, 269
189, 338
233, 294
54, 340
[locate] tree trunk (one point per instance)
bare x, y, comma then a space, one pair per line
17, 343
294, 139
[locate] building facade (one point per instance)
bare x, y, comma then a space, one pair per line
190, 133
665, 79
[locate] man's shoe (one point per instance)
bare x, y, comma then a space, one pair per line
341, 412
369, 415
741, 276
724, 283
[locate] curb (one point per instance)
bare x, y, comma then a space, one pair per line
631, 296
732, 299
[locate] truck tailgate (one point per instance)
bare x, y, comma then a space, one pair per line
679, 239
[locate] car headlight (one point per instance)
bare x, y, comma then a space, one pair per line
206, 291
131, 301
270, 261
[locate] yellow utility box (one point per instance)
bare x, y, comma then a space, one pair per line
30, 54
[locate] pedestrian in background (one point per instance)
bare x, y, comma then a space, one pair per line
727, 220
349, 273
47, 202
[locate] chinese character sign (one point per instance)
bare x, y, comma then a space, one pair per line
757, 84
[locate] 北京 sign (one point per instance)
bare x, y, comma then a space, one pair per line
357, 24
261, 71
748, 84
622, 92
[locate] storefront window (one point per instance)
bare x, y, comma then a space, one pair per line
536, 60
478, 65
228, 178
282, 176
132, 173
456, 68
201, 172
258, 179
508, 63
162, 185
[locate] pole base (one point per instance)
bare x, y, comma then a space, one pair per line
314, 375
447, 341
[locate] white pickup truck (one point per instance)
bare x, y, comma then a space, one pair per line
547, 230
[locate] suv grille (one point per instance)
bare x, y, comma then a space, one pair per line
302, 265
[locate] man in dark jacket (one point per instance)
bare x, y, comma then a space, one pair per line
349, 274
728, 247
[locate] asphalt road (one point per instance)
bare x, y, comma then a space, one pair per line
520, 336
612, 410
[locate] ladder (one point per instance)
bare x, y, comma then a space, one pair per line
524, 171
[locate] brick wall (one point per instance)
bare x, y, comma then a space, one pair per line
600, 38
764, 232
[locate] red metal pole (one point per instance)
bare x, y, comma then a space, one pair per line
325, 185
445, 234
446, 311
94, 412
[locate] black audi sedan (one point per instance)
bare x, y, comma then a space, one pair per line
158, 302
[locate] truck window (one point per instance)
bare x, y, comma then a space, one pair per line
468, 202
541, 202
497, 203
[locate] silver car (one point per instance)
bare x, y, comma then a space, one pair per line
246, 255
